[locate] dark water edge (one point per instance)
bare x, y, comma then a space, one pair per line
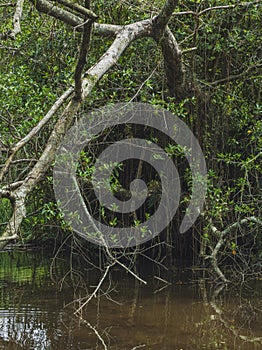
35, 313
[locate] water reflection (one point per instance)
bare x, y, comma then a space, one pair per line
126, 315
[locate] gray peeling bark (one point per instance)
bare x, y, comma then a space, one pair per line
124, 35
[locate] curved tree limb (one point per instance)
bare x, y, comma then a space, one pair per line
222, 239
123, 37
92, 76
35, 130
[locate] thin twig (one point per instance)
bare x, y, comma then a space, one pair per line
95, 331
92, 295
139, 347
214, 8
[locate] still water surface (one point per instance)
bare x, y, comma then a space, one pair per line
36, 314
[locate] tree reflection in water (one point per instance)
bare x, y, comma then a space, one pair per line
125, 314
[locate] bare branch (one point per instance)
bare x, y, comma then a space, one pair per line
95, 331
56, 12
78, 8
225, 7
235, 76
214, 8
73, 20
8, 4
123, 39
35, 130
104, 29
92, 295
222, 239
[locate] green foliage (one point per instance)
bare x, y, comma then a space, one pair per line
5, 212
221, 104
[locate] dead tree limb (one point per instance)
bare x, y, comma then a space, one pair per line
222, 238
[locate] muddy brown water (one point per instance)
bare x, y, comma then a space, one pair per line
36, 314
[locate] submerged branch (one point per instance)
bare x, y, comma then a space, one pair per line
229, 327
95, 331
222, 237
92, 295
